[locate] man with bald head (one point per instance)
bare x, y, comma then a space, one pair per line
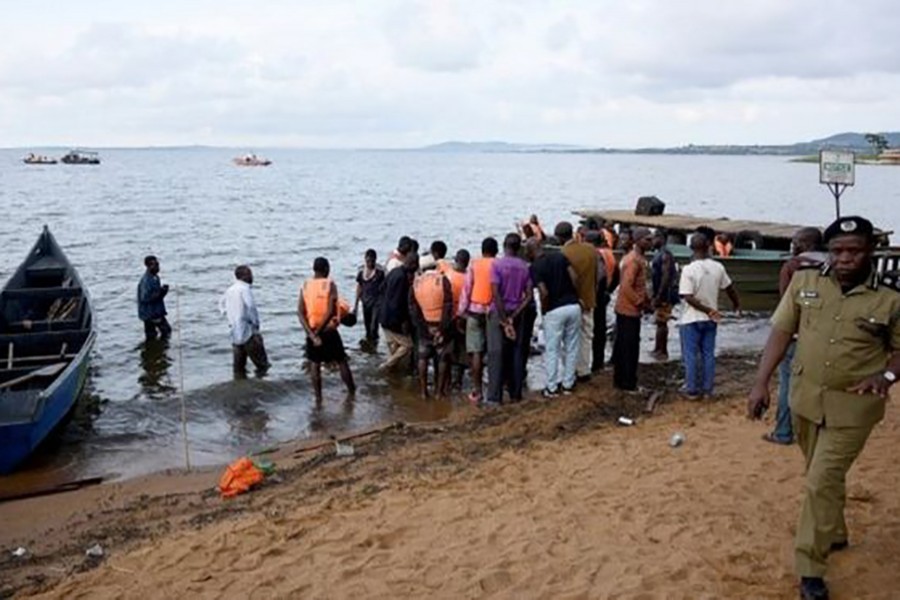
632, 303
239, 307
808, 252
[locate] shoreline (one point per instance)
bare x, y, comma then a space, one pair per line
408, 488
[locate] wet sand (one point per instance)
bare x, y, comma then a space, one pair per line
543, 499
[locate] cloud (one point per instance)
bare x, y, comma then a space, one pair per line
357, 73
435, 35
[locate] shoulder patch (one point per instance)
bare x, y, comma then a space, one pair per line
890, 279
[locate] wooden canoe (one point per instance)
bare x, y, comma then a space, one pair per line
46, 335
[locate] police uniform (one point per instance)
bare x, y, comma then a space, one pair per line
843, 338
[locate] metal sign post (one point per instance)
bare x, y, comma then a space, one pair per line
837, 170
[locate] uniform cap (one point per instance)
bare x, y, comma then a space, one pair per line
849, 226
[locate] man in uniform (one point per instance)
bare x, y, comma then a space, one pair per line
847, 319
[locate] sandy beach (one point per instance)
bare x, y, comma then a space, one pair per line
546, 499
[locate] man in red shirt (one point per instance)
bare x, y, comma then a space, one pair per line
631, 304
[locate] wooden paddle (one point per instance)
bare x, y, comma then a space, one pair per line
48, 371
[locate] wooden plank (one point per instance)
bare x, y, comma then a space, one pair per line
9, 356
688, 223
56, 489
42, 358
42, 293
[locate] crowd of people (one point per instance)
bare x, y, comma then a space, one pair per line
477, 314
835, 336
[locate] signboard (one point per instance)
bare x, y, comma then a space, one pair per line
836, 166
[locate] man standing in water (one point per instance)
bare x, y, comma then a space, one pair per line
631, 304
432, 308
475, 302
151, 302
239, 306
369, 288
847, 321
807, 254
701, 282
665, 292
508, 342
317, 309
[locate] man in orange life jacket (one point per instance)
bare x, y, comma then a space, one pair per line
431, 305
457, 276
317, 309
607, 282
475, 303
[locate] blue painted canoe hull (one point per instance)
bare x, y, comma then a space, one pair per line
19, 440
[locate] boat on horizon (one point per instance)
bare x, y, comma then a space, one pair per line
760, 248
38, 159
46, 336
81, 157
251, 160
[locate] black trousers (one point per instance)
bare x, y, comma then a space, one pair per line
160, 325
255, 349
370, 319
506, 359
626, 351
599, 342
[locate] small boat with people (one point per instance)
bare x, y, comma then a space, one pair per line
753, 252
81, 157
46, 335
38, 159
251, 160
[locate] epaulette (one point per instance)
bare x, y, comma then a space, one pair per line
890, 280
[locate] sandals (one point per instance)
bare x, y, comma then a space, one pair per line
474, 397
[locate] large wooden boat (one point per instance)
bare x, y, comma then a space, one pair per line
760, 248
46, 335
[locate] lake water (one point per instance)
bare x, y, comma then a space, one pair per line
201, 215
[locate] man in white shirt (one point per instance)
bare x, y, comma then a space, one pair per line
239, 307
699, 287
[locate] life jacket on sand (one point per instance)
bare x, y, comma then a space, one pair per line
316, 293
239, 477
428, 289
481, 281
723, 247
457, 281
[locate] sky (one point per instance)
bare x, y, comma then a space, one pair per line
406, 73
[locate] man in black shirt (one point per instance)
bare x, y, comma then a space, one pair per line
394, 314
555, 279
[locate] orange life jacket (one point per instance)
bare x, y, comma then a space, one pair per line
610, 238
316, 293
457, 281
239, 477
609, 261
481, 281
444, 266
723, 248
428, 289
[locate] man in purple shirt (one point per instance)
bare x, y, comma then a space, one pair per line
507, 341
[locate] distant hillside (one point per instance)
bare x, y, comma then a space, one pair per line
497, 147
849, 140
